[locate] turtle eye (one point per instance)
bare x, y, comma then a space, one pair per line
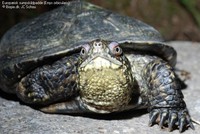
115, 49
85, 49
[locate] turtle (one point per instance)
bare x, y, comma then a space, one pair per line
92, 60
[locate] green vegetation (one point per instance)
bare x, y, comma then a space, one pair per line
191, 7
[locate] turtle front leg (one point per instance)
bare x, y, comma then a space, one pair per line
166, 104
50, 83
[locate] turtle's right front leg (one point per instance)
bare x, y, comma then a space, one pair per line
50, 83
166, 104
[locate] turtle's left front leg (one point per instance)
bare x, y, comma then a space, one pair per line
166, 104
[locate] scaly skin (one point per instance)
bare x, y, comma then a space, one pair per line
50, 83
104, 80
160, 92
165, 97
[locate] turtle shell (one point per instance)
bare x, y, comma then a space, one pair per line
62, 31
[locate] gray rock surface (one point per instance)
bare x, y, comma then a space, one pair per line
18, 118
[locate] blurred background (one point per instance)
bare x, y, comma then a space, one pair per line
175, 19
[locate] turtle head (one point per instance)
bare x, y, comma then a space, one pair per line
105, 79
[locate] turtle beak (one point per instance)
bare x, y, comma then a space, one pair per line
100, 61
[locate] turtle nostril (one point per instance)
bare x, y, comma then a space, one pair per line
98, 44
97, 47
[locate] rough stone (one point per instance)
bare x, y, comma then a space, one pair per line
17, 118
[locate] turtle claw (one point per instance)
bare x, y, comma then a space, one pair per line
192, 126
153, 116
181, 125
163, 117
189, 120
185, 120
172, 118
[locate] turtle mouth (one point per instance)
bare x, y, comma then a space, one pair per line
100, 62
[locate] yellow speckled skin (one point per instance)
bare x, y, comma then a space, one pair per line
105, 89
105, 86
